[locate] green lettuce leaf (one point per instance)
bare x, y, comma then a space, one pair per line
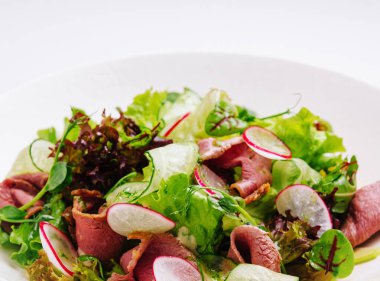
264, 207
26, 235
188, 207
341, 182
245, 114
145, 108
48, 134
309, 137
294, 171
4, 238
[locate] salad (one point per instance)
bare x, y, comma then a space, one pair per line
184, 187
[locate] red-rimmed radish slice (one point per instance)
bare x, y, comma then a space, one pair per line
59, 249
167, 131
266, 143
174, 269
125, 218
207, 178
304, 202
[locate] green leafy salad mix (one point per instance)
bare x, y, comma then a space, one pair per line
201, 175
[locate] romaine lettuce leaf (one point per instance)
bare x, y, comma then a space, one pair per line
198, 216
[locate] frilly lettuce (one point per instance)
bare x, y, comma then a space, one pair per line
197, 215
42, 269
26, 235
309, 137
292, 237
341, 182
145, 108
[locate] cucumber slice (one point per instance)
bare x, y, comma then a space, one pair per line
365, 254
252, 272
40, 152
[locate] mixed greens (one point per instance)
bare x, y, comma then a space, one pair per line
147, 157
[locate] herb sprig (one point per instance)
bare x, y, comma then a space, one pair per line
231, 205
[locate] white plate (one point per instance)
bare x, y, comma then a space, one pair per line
266, 85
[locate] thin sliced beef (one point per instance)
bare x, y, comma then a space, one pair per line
363, 218
210, 148
93, 234
19, 190
5, 196
256, 170
250, 244
32, 211
37, 179
138, 262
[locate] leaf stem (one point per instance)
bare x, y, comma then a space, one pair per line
247, 216
19, 221
289, 110
42, 192
275, 115
39, 195
31, 156
61, 144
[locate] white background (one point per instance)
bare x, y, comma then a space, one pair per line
40, 37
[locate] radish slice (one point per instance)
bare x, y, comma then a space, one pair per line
126, 218
207, 178
266, 143
303, 202
166, 131
59, 249
174, 269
